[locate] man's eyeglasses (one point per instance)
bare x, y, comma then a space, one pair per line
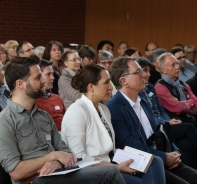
194, 52
76, 60
28, 50
106, 62
181, 57
140, 72
90, 59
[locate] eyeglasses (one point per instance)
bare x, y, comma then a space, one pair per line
1, 53
106, 62
181, 57
153, 49
28, 50
140, 72
194, 52
76, 60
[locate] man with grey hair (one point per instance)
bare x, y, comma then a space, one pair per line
25, 49
105, 59
39, 50
175, 96
155, 70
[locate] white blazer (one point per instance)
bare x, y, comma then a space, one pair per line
84, 132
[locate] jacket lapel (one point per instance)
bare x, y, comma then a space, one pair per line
132, 115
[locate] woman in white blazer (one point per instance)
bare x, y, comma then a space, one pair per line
87, 128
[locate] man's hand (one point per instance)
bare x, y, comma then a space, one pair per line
49, 167
172, 160
174, 121
67, 159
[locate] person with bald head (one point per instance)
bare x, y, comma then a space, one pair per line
150, 47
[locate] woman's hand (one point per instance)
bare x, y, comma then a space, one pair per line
124, 167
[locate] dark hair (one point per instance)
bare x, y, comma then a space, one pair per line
44, 63
156, 53
130, 51
102, 43
66, 45
19, 68
178, 45
19, 47
46, 54
119, 68
67, 53
88, 74
143, 62
174, 51
146, 46
86, 51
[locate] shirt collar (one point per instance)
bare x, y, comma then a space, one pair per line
73, 73
132, 103
18, 107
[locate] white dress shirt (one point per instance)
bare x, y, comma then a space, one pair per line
141, 115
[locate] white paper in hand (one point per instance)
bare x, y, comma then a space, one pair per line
122, 156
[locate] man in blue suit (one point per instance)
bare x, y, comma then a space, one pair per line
134, 122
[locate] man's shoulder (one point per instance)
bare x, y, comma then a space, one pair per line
5, 112
116, 102
115, 98
55, 96
159, 85
52, 97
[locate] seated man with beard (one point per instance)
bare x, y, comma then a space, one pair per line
29, 141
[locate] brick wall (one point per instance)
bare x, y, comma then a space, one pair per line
40, 21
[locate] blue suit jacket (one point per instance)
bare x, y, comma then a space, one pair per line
127, 127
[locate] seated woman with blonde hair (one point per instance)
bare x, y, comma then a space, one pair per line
87, 128
11, 46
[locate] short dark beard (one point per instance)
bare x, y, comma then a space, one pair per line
33, 93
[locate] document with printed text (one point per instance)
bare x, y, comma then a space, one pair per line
142, 160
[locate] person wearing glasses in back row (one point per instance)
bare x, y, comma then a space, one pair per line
105, 59
187, 70
190, 52
25, 49
72, 62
